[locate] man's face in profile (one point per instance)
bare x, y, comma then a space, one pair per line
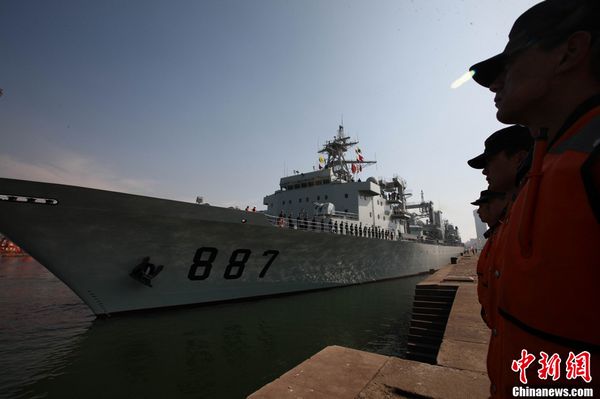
484, 212
500, 171
523, 84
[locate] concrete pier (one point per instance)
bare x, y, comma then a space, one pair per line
459, 369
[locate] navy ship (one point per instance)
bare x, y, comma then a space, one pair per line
321, 229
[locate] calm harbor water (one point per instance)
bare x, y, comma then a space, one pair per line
51, 345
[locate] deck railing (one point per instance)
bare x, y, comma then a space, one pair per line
336, 225
339, 226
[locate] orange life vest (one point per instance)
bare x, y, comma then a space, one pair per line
484, 267
483, 278
547, 279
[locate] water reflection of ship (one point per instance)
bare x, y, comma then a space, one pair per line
224, 351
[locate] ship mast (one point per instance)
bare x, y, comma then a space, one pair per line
335, 151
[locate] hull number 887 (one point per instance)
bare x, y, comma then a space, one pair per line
205, 256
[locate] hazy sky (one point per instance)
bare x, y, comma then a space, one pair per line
218, 98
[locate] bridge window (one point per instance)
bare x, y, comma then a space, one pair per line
307, 199
325, 197
345, 195
318, 197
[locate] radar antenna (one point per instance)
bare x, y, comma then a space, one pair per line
335, 150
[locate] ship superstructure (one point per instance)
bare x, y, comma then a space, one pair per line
334, 196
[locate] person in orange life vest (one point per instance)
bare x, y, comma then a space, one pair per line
504, 152
491, 207
548, 79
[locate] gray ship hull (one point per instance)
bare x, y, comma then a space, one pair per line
93, 239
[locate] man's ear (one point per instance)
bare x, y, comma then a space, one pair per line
519, 156
574, 51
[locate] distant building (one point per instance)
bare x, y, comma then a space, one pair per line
480, 228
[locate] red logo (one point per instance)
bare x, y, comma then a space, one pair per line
522, 364
576, 366
549, 367
579, 366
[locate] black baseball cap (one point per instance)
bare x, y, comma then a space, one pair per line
513, 138
550, 19
486, 196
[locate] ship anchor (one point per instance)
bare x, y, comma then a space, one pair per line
145, 271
